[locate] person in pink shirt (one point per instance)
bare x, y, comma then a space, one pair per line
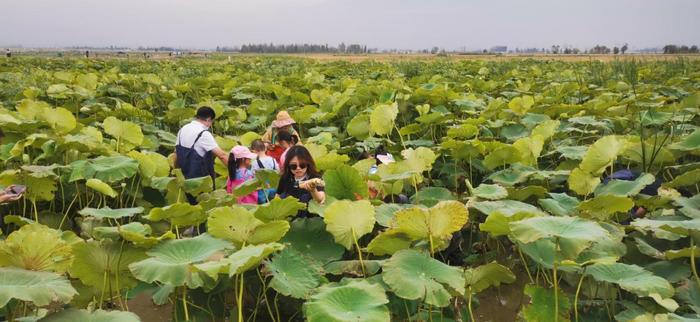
286, 141
239, 172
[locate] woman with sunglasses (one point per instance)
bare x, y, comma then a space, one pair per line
300, 178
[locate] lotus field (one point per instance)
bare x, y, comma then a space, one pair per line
571, 188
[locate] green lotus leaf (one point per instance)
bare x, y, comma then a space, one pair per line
358, 127
71, 315
689, 178
690, 206
292, 275
490, 191
541, 307
604, 206
634, 279
59, 119
572, 152
330, 161
31, 109
151, 164
39, 188
348, 220
435, 224
268, 178
107, 212
560, 204
485, 276
108, 169
357, 300
429, 196
464, 131
279, 209
546, 129
389, 242
560, 228
308, 236
196, 186
688, 143
601, 154
40, 288
345, 182
675, 225
420, 159
625, 188
173, 261
179, 214
521, 104
101, 187
36, 247
239, 262
239, 226
529, 148
385, 212
506, 207
647, 249
502, 156
138, 234
354, 267
381, 120
415, 276
105, 265
583, 183
498, 223
128, 134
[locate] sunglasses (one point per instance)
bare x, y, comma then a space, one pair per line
294, 166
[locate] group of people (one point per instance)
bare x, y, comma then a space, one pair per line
277, 150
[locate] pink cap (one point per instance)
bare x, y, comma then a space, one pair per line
240, 152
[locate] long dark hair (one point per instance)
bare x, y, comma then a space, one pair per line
304, 156
233, 165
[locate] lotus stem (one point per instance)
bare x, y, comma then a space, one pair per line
469, 305
264, 290
527, 270
556, 292
578, 290
692, 261
65, 211
36, 212
359, 252
184, 303
104, 282
240, 299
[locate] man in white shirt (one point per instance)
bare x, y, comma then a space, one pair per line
195, 147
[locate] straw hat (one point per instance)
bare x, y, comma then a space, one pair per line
283, 119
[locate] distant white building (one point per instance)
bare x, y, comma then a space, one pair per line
499, 49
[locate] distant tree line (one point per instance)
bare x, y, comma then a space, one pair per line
297, 48
676, 49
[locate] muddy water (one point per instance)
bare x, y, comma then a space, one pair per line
143, 306
502, 304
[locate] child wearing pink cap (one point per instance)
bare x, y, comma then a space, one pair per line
239, 172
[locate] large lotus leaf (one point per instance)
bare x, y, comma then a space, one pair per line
348, 220
416, 276
544, 252
690, 206
521, 104
517, 173
435, 225
676, 225
345, 182
381, 120
485, 276
502, 156
419, 160
138, 234
604, 206
626, 188
601, 154
688, 143
278, 209
108, 169
385, 212
634, 279
490, 191
560, 204
498, 223
72, 315
331, 160
31, 109
179, 214
358, 300
59, 119
107, 212
689, 178
105, 266
506, 207
292, 274
389, 242
36, 247
40, 288
196, 186
239, 226
546, 129
268, 178
128, 134
560, 228
572, 152
173, 261
239, 262
358, 127
541, 307
427, 196
530, 148
151, 164
308, 236
582, 182
354, 267
38, 187
101, 187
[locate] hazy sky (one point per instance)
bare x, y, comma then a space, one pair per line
407, 24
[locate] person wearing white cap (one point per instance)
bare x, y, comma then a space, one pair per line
239, 172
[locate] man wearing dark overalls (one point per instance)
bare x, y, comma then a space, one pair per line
195, 148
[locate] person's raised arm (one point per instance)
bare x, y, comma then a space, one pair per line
219, 153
